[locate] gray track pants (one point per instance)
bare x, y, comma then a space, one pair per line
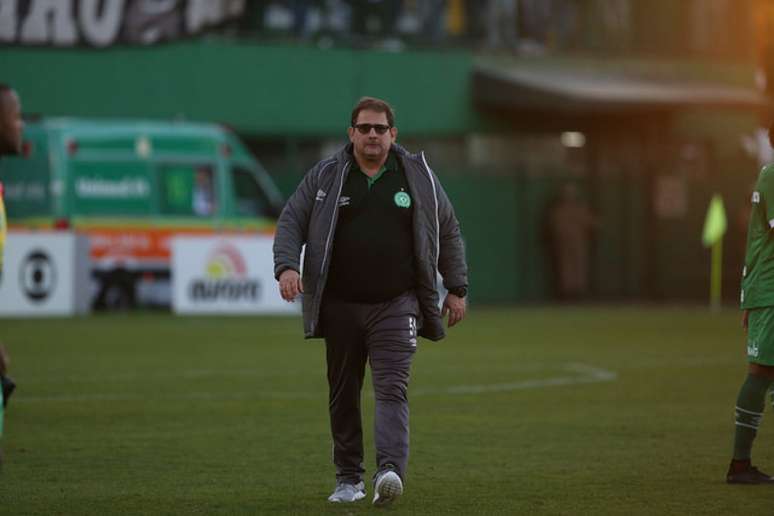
385, 335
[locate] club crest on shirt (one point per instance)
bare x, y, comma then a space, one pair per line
343, 201
402, 200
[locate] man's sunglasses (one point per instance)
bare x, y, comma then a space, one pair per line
366, 128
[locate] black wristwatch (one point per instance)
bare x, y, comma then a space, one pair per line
459, 291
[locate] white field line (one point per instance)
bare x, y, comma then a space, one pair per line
189, 396
573, 374
183, 374
580, 374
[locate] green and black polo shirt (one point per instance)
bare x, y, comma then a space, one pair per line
373, 248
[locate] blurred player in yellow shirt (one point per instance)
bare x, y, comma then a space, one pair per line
11, 127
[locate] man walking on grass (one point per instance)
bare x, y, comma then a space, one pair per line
378, 227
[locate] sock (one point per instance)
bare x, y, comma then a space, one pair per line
749, 411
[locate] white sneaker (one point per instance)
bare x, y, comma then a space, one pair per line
345, 493
387, 488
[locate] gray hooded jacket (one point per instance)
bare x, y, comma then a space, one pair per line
310, 217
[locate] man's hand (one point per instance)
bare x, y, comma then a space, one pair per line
456, 308
290, 285
745, 317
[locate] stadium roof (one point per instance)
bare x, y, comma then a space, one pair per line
577, 93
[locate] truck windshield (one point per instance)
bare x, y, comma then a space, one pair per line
251, 200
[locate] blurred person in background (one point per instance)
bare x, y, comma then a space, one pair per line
475, 14
757, 303
375, 17
377, 225
537, 21
11, 127
301, 16
432, 14
203, 201
763, 18
570, 223
253, 18
502, 25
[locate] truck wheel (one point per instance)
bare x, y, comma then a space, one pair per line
117, 291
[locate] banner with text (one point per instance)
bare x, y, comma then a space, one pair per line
226, 275
102, 23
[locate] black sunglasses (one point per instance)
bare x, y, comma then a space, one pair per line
366, 128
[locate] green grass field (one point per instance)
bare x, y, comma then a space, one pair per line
519, 411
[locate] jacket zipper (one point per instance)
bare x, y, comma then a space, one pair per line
437, 223
321, 279
333, 218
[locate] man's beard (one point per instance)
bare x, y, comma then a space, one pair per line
372, 156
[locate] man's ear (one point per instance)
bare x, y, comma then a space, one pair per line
351, 133
394, 133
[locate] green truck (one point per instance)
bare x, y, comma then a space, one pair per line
131, 185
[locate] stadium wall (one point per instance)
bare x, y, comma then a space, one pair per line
256, 89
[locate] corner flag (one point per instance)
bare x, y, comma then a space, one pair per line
715, 223
714, 228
